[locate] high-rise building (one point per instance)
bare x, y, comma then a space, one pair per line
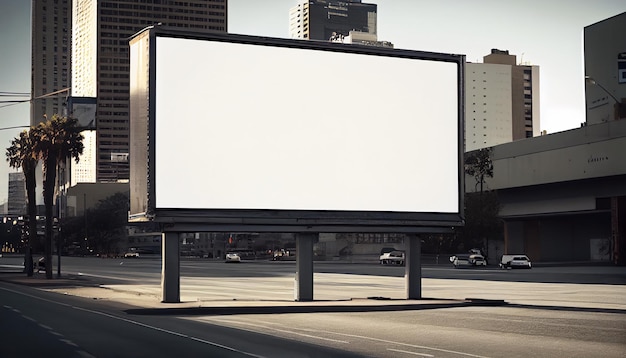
100, 62
17, 194
605, 68
488, 107
85, 170
326, 19
50, 50
501, 101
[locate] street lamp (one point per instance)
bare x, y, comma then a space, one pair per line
593, 82
618, 103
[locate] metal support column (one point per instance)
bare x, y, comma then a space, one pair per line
413, 267
303, 288
170, 267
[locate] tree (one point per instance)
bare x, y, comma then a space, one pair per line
56, 140
482, 208
479, 165
22, 154
481, 219
107, 222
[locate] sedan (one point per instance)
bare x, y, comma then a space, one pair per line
392, 258
233, 257
468, 260
515, 261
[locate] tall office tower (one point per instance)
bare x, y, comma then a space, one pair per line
50, 49
501, 101
524, 94
100, 62
605, 68
17, 194
325, 19
85, 170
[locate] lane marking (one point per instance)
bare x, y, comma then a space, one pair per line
182, 335
292, 332
69, 343
29, 318
133, 322
354, 336
409, 352
84, 354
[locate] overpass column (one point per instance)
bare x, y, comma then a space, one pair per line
413, 267
303, 288
170, 267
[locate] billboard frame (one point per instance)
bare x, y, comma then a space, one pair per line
143, 129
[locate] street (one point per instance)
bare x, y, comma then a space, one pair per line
358, 309
35, 323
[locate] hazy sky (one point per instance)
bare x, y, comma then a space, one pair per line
547, 33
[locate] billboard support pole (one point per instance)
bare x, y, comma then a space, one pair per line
304, 267
170, 272
413, 267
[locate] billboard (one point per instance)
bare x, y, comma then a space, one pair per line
249, 127
84, 110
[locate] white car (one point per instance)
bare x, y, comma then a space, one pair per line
392, 258
468, 260
131, 254
515, 261
233, 257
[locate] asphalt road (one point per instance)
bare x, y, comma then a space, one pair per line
549, 311
38, 323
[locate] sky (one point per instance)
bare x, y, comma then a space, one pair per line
548, 34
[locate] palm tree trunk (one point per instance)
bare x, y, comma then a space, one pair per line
31, 185
48, 199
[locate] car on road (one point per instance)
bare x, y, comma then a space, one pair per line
392, 258
132, 253
233, 257
515, 261
468, 260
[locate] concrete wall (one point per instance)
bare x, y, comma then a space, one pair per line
592, 151
562, 238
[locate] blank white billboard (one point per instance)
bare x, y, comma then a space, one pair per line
251, 126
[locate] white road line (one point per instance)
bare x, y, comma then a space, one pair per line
409, 345
167, 331
135, 323
29, 318
84, 354
279, 330
69, 343
11, 308
331, 333
412, 353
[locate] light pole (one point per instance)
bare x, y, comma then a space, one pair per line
618, 103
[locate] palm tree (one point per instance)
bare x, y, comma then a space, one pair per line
57, 140
21, 154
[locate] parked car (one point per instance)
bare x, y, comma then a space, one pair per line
468, 260
392, 258
515, 261
233, 257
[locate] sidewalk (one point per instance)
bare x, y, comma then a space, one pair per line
335, 292
146, 299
